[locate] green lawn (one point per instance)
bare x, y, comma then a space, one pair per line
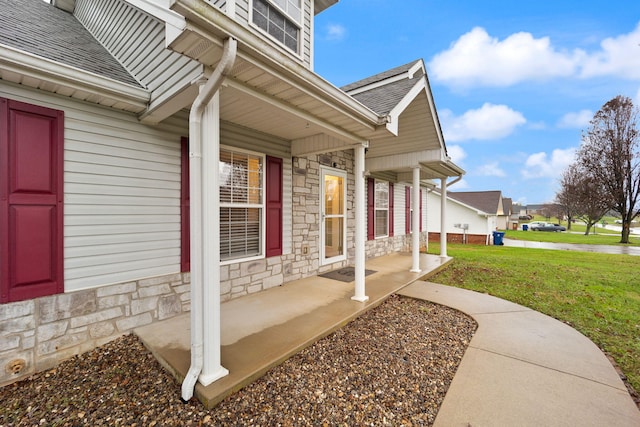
598, 294
571, 237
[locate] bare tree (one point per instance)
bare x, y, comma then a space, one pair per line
567, 196
609, 151
582, 196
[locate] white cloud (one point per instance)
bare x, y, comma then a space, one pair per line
456, 153
620, 56
580, 119
335, 32
490, 169
540, 165
488, 122
479, 59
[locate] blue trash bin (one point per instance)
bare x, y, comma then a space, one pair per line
497, 237
525, 227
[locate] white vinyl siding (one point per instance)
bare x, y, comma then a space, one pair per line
398, 209
220, 4
122, 192
137, 41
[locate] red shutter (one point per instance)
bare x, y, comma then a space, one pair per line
31, 194
273, 195
371, 213
185, 211
420, 209
407, 210
391, 209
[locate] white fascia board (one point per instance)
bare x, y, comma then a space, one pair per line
207, 17
159, 9
402, 161
45, 69
394, 114
409, 74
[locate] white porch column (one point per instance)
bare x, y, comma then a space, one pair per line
361, 221
415, 219
443, 214
212, 368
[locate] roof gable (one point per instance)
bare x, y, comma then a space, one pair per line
486, 201
43, 30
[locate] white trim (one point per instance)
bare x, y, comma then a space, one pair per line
392, 126
343, 174
33, 66
231, 9
376, 209
298, 53
261, 206
159, 9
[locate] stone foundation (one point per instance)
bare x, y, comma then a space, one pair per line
40, 333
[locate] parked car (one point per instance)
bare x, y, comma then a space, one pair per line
546, 226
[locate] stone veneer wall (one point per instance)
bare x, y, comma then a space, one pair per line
248, 277
385, 246
38, 334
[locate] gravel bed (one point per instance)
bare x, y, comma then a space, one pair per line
391, 366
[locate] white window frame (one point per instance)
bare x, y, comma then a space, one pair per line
299, 24
377, 208
261, 206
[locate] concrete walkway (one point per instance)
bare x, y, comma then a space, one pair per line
264, 329
523, 368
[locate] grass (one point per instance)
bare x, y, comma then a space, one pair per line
597, 294
571, 237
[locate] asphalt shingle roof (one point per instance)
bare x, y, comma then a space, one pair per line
382, 99
486, 201
43, 30
379, 77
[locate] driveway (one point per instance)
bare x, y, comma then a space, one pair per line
605, 249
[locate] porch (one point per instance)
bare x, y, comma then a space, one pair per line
262, 330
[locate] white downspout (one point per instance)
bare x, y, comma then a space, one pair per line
207, 91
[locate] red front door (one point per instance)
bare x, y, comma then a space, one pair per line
31, 197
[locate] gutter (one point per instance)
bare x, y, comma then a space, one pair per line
207, 91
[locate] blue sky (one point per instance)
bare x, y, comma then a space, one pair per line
515, 83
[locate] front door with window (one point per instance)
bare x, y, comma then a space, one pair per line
333, 218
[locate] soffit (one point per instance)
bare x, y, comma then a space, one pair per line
268, 89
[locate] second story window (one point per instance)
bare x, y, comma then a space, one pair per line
280, 19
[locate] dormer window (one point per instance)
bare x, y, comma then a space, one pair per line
281, 19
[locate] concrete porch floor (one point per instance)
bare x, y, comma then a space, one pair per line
262, 330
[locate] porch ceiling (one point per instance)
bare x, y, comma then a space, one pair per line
269, 89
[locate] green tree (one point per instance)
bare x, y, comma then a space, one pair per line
610, 152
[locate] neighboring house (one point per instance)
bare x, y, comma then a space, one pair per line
472, 216
505, 221
160, 160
